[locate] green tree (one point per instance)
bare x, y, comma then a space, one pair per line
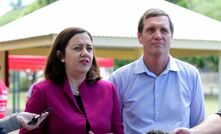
121, 62
16, 4
43, 3
183, 3
22, 11
210, 8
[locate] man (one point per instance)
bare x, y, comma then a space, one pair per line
157, 91
210, 126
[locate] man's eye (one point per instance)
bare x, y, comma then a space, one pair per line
150, 30
164, 31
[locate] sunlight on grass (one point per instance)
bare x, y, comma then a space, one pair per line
212, 104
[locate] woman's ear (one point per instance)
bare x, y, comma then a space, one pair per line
60, 55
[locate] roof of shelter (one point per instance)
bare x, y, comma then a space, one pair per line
112, 18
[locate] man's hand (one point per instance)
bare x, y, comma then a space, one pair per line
182, 131
25, 117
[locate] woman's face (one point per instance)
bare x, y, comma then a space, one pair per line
78, 54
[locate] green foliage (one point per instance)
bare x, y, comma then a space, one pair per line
204, 63
19, 12
24, 84
43, 3
16, 4
209, 8
119, 63
182, 3
30, 8
9, 17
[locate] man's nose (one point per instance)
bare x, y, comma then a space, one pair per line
158, 34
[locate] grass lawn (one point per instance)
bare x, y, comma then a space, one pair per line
22, 102
212, 103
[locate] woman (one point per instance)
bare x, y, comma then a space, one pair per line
82, 102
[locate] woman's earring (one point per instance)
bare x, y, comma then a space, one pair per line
62, 60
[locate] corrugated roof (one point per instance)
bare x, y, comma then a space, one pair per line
109, 18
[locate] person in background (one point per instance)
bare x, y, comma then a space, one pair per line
158, 91
82, 102
3, 98
30, 88
212, 125
156, 132
17, 120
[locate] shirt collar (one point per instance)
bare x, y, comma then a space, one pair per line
171, 66
141, 67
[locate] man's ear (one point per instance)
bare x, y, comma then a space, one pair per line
139, 37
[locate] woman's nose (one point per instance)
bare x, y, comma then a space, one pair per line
84, 51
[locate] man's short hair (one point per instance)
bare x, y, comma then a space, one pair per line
154, 13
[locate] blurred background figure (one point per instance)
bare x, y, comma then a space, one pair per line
3, 98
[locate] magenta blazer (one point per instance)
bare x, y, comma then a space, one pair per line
100, 102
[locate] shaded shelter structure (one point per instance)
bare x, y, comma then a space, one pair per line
113, 25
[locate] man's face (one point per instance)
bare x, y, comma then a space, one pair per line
156, 36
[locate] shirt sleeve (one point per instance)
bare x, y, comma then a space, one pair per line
10, 123
114, 81
198, 103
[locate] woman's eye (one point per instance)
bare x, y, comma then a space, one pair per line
89, 49
78, 48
